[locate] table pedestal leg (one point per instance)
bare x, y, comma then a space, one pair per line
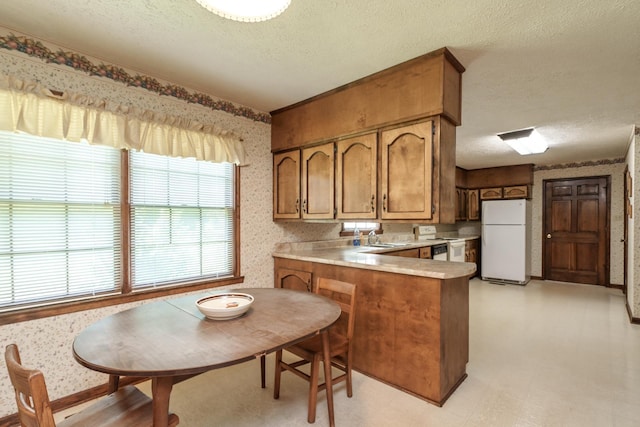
326, 350
161, 389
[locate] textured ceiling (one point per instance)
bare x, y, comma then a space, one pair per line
570, 68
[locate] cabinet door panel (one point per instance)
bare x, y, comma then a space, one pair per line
286, 185
356, 177
293, 279
318, 182
406, 170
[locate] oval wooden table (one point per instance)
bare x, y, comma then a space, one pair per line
171, 340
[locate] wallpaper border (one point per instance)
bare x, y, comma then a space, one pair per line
37, 49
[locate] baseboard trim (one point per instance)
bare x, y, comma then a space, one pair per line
618, 287
74, 399
634, 320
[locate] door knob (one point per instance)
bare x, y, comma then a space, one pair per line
548, 235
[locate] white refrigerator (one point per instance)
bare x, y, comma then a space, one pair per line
506, 232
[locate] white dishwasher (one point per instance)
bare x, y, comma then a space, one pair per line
439, 252
456, 250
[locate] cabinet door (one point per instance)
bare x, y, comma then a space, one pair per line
516, 192
356, 177
293, 279
473, 205
318, 182
406, 172
491, 193
425, 252
461, 204
286, 185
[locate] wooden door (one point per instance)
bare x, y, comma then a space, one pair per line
628, 186
286, 185
576, 230
406, 172
318, 180
356, 177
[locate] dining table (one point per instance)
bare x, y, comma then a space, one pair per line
170, 340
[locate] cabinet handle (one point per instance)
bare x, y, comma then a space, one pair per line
297, 205
304, 206
384, 202
373, 203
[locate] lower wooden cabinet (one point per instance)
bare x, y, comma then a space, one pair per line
472, 253
293, 279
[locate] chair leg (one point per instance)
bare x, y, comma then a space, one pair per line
262, 371
313, 388
278, 373
349, 383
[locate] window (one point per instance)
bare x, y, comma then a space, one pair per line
64, 212
181, 219
364, 227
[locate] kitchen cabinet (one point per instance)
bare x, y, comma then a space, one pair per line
429, 85
516, 192
473, 204
472, 253
461, 204
356, 177
318, 182
298, 280
286, 185
425, 252
406, 171
411, 332
491, 193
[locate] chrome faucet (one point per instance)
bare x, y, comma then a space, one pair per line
373, 238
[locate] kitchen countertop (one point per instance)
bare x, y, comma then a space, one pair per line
341, 252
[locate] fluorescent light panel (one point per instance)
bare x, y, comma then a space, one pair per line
525, 141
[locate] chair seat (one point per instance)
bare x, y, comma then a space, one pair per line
125, 407
311, 346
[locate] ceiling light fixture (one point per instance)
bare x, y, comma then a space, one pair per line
246, 10
525, 141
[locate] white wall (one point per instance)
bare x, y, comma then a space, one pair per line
633, 231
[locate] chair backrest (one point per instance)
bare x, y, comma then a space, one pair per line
344, 294
34, 407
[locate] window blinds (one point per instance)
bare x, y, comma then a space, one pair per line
182, 224
59, 219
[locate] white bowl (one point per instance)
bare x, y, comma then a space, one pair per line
224, 306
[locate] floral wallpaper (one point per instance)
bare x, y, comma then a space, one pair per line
37, 49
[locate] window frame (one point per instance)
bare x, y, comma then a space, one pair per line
349, 231
126, 293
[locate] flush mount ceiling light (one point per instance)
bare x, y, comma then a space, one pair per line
525, 141
246, 10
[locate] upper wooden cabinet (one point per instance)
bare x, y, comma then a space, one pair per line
516, 192
491, 193
417, 172
429, 85
318, 181
356, 177
473, 205
406, 166
286, 185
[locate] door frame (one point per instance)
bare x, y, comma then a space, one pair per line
607, 272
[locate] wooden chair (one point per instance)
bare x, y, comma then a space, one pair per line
310, 351
125, 407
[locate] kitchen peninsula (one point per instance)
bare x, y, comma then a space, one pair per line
412, 315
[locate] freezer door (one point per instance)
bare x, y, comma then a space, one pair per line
504, 252
504, 211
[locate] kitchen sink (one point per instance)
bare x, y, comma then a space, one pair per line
387, 245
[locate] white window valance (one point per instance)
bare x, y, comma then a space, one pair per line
34, 109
